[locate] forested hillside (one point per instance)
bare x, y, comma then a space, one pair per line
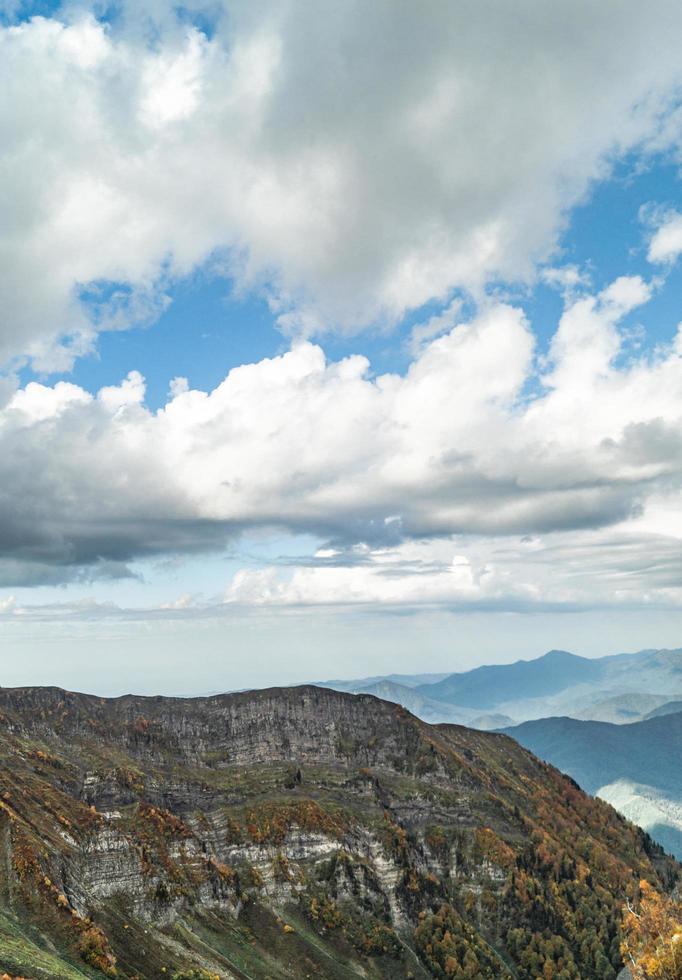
298, 833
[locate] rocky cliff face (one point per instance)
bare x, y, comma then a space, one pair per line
293, 833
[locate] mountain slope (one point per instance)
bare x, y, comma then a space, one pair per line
297, 833
669, 708
618, 688
434, 712
487, 687
636, 767
623, 709
354, 685
428, 709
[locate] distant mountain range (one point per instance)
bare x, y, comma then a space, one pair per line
622, 709
428, 709
619, 689
637, 767
668, 708
612, 723
488, 687
404, 680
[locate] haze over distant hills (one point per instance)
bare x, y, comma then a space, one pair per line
668, 708
622, 709
582, 715
404, 680
637, 767
428, 709
620, 689
489, 686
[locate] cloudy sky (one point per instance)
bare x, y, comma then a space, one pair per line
336, 340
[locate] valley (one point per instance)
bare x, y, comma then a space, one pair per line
579, 714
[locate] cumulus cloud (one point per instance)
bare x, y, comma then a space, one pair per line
614, 568
477, 438
354, 163
665, 245
567, 278
411, 574
619, 568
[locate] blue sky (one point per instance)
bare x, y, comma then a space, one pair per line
208, 327
323, 372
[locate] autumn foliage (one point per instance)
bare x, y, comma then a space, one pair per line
652, 936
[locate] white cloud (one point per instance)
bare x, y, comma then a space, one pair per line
409, 575
185, 601
435, 326
131, 391
587, 341
665, 245
624, 568
356, 162
595, 569
8, 605
475, 440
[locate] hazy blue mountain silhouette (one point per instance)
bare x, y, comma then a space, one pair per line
486, 687
604, 758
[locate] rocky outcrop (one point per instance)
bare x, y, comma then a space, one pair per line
271, 832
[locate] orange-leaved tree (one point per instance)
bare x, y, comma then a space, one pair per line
652, 936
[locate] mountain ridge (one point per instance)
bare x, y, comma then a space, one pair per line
557, 683
605, 758
538, 677
297, 832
